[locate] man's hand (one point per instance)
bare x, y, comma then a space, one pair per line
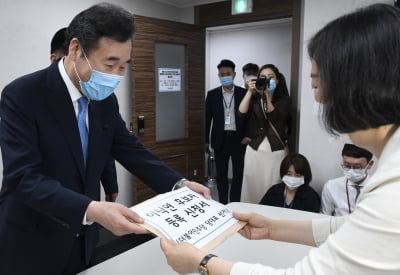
246, 140
115, 217
197, 187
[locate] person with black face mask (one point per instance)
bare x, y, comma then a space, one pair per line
339, 195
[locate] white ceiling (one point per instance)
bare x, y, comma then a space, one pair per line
187, 3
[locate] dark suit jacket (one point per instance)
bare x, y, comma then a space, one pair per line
305, 199
258, 126
215, 114
109, 177
46, 190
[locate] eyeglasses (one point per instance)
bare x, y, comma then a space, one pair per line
347, 167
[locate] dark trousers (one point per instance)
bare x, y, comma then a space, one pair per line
234, 150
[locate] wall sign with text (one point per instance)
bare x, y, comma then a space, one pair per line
169, 80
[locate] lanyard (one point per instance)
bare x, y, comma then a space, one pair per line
347, 193
285, 205
228, 108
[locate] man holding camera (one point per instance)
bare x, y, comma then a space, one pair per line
227, 131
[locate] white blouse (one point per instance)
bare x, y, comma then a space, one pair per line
365, 242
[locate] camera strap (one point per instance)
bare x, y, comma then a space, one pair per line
263, 102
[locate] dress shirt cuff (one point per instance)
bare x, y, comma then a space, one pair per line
178, 184
85, 221
322, 228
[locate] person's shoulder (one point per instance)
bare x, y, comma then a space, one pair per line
306, 190
286, 99
333, 183
239, 89
215, 90
311, 190
279, 187
26, 82
336, 180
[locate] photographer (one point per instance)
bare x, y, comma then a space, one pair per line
267, 107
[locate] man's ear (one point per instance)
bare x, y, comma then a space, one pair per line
370, 164
53, 58
74, 49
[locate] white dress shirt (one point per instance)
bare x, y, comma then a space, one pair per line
75, 95
337, 199
229, 108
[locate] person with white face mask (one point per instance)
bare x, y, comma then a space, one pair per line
294, 190
58, 128
361, 100
250, 71
267, 107
339, 195
225, 131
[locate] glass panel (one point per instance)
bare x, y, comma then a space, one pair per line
170, 91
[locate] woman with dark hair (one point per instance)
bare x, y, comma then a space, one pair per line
267, 107
294, 190
355, 74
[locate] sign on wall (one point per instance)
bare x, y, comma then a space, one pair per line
169, 80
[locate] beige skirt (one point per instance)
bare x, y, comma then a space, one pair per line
261, 171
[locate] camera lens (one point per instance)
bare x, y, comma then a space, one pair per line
262, 83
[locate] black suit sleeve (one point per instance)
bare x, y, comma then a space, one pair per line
109, 177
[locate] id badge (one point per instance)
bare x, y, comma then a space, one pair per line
227, 120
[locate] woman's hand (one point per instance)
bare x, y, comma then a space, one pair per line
183, 257
258, 227
252, 87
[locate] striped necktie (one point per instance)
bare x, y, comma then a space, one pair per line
358, 189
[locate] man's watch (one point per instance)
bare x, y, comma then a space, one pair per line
203, 270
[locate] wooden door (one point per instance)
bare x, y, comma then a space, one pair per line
186, 154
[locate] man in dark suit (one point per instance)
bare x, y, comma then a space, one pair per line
58, 49
227, 131
55, 144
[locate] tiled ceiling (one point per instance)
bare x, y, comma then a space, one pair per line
187, 3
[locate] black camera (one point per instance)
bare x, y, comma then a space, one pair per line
262, 83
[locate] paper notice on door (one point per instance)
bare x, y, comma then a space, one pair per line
186, 216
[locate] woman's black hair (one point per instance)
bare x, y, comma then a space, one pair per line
358, 59
300, 164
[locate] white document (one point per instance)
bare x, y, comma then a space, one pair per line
186, 216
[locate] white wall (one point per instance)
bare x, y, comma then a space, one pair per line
261, 43
27, 27
323, 151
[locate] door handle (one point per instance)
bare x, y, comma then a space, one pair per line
140, 123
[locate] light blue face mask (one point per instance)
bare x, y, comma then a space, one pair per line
100, 85
226, 80
272, 85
